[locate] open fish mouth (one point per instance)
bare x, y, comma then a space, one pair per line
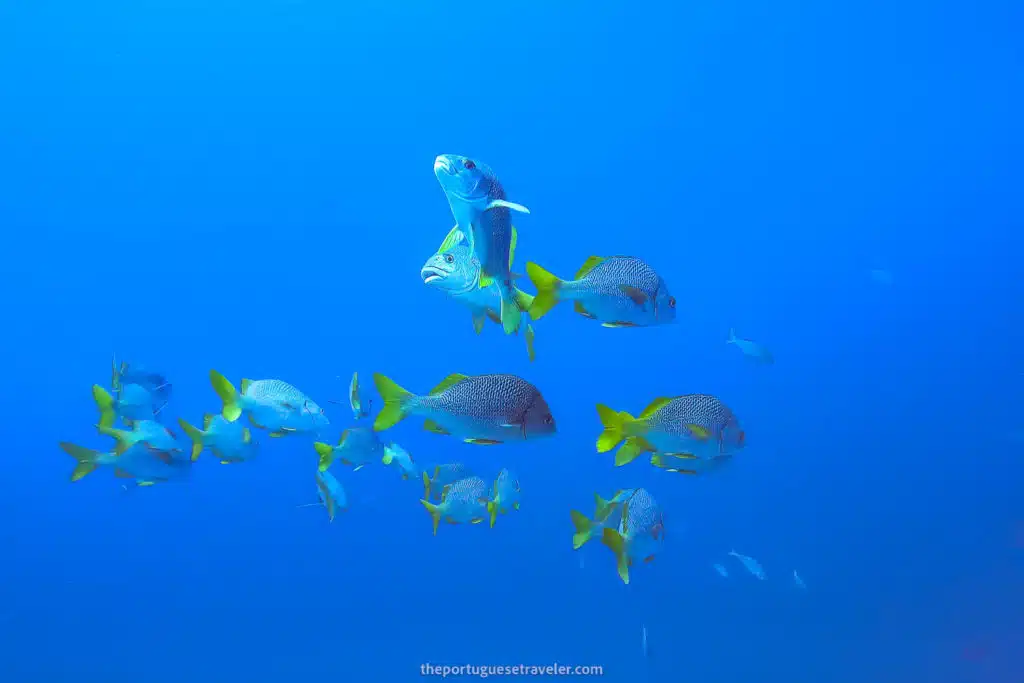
442, 165
431, 275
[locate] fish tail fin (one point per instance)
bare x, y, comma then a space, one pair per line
124, 439
105, 403
86, 458
615, 425
228, 395
492, 510
523, 300
511, 313
396, 401
195, 435
426, 485
584, 529
326, 453
435, 513
634, 447
530, 336
547, 286
613, 539
602, 507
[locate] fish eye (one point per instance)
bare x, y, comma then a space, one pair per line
671, 302
468, 163
449, 258
548, 419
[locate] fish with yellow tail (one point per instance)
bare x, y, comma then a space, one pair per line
270, 404
640, 535
685, 427
479, 409
607, 513
357, 447
506, 495
131, 402
455, 270
397, 457
355, 401
138, 463
483, 214
149, 433
331, 493
617, 291
230, 442
463, 502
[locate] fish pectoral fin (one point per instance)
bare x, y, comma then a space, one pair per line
476, 520
637, 296
494, 316
511, 206
698, 432
682, 456
482, 442
358, 467
486, 281
432, 426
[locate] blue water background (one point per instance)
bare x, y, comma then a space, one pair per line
247, 186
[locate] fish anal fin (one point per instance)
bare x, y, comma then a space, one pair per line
432, 426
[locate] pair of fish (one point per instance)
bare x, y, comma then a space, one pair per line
134, 457
482, 213
230, 442
137, 395
631, 525
692, 427
479, 409
455, 270
617, 291
359, 446
467, 500
270, 404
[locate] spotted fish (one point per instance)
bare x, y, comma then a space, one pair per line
640, 535
357, 447
270, 403
464, 501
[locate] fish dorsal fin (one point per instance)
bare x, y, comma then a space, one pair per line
656, 405
245, 385
453, 237
589, 265
207, 419
341, 439
447, 383
512, 247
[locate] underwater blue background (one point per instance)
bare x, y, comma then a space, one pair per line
247, 186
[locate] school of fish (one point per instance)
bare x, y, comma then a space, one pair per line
689, 433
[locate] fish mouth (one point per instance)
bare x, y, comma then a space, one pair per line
442, 165
431, 275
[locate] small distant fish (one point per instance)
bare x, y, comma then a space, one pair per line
640, 535
230, 442
149, 433
464, 501
686, 427
643, 639
798, 581
721, 570
617, 291
359, 411
442, 476
332, 495
751, 349
270, 403
483, 214
357, 447
396, 456
506, 495
750, 564
455, 270
480, 409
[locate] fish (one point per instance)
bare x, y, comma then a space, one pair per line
617, 291
751, 349
396, 456
479, 409
455, 270
442, 477
133, 402
359, 411
604, 516
687, 427
643, 639
137, 462
464, 501
798, 582
684, 464
506, 495
332, 495
154, 383
271, 404
357, 447
149, 433
483, 213
751, 565
721, 570
640, 535
230, 442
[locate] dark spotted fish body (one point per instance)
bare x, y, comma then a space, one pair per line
669, 428
441, 476
465, 500
641, 532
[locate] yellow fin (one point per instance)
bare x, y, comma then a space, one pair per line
583, 528
631, 450
613, 539
588, 265
105, 404
530, 336
245, 384
656, 405
614, 424
196, 437
512, 247
479, 319
226, 391
453, 237
207, 419
547, 286
435, 513
618, 323
246, 435
426, 485
432, 426
326, 453
396, 400
486, 281
447, 383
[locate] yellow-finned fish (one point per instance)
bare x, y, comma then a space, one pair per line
506, 495
442, 476
606, 514
271, 404
359, 411
230, 442
332, 495
640, 535
357, 447
464, 501
396, 456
